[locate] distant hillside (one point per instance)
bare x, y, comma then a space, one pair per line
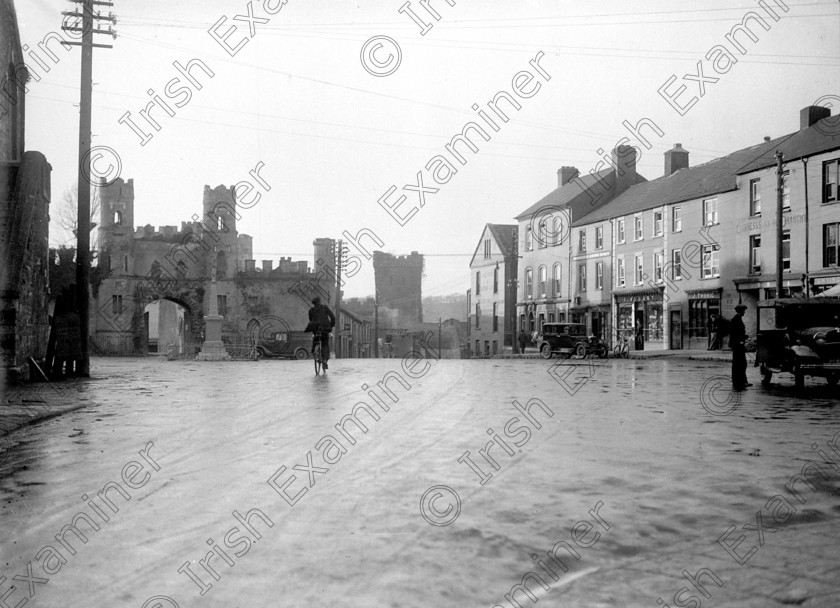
445, 307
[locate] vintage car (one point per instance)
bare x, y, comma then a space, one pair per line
286, 345
567, 339
800, 336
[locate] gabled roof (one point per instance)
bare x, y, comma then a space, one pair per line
563, 195
714, 177
575, 196
503, 234
822, 136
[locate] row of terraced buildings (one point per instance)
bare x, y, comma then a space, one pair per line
658, 261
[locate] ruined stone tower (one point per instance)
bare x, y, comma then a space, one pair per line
398, 284
218, 227
116, 225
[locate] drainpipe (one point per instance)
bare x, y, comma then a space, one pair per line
807, 233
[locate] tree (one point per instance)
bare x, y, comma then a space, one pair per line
66, 217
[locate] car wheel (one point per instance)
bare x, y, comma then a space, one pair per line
301, 354
602, 354
580, 351
545, 351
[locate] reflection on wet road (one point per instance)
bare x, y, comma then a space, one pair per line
181, 467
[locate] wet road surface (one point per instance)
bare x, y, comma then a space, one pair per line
627, 472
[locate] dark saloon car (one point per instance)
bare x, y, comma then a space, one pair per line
564, 339
800, 336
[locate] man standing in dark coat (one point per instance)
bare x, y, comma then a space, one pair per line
737, 339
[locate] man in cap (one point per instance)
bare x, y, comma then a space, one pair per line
737, 339
321, 323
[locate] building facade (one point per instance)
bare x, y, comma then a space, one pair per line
492, 297
686, 248
551, 261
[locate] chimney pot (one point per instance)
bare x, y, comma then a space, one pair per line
565, 175
810, 115
766, 138
675, 159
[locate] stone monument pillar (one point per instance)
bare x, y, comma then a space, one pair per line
213, 348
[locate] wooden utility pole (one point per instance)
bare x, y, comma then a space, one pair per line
90, 23
779, 218
338, 257
376, 324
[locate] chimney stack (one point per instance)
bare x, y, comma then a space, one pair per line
250, 265
624, 159
809, 115
266, 265
565, 175
675, 159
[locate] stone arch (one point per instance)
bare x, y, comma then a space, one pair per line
186, 293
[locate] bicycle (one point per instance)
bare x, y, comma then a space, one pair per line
320, 362
622, 349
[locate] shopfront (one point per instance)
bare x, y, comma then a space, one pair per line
640, 319
704, 319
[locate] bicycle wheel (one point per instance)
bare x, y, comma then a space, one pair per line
316, 356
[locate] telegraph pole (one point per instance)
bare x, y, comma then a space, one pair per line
376, 324
90, 23
779, 259
338, 300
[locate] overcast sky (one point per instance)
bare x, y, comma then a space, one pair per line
335, 138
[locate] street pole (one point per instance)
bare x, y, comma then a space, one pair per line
807, 233
376, 324
779, 271
440, 329
83, 221
338, 351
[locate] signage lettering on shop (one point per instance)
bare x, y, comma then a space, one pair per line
758, 224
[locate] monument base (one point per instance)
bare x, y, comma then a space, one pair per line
213, 351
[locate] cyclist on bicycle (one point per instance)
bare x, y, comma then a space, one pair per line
321, 323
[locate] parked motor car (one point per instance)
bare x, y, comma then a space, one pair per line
285, 345
800, 336
565, 339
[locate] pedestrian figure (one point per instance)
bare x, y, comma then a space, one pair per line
737, 340
523, 340
714, 338
640, 336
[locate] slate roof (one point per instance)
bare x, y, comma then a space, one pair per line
714, 177
563, 195
504, 236
823, 136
